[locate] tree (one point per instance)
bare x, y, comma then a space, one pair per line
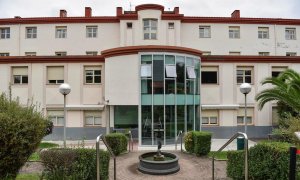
285, 90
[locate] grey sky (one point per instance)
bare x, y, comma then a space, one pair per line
249, 8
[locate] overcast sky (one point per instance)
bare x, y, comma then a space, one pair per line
249, 8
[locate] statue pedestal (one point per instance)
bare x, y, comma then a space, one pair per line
159, 157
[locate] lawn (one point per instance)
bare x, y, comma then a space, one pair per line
218, 155
28, 177
36, 156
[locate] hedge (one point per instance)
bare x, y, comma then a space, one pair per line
117, 141
198, 142
267, 160
74, 164
189, 142
21, 131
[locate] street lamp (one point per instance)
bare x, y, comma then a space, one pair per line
65, 89
245, 88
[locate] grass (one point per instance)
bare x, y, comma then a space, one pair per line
47, 145
218, 155
34, 157
28, 177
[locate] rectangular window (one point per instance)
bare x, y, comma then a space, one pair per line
5, 33
263, 33
61, 53
210, 117
92, 118
264, 53
61, 32
204, 31
190, 72
57, 117
129, 25
4, 54
91, 31
31, 32
241, 115
20, 75
209, 75
150, 28
30, 53
55, 74
290, 33
171, 25
291, 54
244, 75
234, 53
91, 53
92, 74
277, 70
146, 70
171, 71
234, 32
206, 53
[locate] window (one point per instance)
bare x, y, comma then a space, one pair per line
55, 74
5, 33
234, 53
263, 33
209, 75
204, 31
244, 75
241, 115
190, 72
91, 53
92, 118
4, 54
277, 70
171, 25
61, 32
30, 53
62, 53
126, 117
206, 53
20, 75
150, 28
290, 33
146, 70
129, 25
171, 71
92, 74
209, 117
91, 31
234, 32
264, 53
57, 117
291, 54
31, 32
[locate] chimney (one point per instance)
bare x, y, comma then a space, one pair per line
176, 10
88, 12
119, 11
62, 13
235, 14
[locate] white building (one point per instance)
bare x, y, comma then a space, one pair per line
141, 70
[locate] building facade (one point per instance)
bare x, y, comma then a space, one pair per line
153, 71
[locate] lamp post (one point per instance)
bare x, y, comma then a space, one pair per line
245, 88
65, 89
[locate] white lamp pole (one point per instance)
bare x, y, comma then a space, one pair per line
245, 88
65, 89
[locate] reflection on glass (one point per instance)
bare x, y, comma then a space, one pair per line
190, 118
180, 118
170, 86
146, 86
146, 125
158, 77
180, 74
158, 124
190, 86
170, 124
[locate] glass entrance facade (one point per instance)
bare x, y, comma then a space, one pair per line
170, 96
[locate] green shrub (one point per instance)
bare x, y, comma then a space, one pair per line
202, 142
117, 141
21, 130
74, 163
267, 160
189, 142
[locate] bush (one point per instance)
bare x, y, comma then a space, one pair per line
74, 164
189, 142
267, 160
117, 141
22, 129
202, 142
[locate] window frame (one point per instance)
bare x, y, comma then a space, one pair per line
32, 34
241, 114
234, 53
171, 25
205, 34
91, 53
21, 76
94, 115
209, 117
92, 69
263, 33
290, 33
210, 69
244, 69
264, 53
60, 53
291, 53
30, 53
55, 81
5, 33
56, 117
61, 32
91, 31
234, 32
151, 28
4, 54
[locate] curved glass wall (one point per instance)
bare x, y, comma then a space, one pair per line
170, 96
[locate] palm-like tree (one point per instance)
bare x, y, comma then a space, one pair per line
286, 89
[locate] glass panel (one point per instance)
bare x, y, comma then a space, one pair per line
146, 70
239, 79
97, 79
97, 120
17, 79
158, 77
189, 61
240, 120
126, 116
171, 71
204, 120
158, 57
170, 59
24, 79
197, 99
180, 99
146, 99
170, 86
60, 121
213, 120
146, 125
197, 116
89, 79
180, 118
240, 72
170, 124
249, 120
97, 72
180, 74
190, 118
146, 59
89, 120
209, 77
190, 87
170, 99
248, 79
146, 86
158, 124
158, 99
189, 99
248, 72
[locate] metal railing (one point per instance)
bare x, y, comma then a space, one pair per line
176, 140
226, 144
100, 137
130, 141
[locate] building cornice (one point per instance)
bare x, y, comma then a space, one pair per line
249, 59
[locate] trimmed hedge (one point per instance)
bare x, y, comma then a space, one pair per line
21, 131
117, 141
74, 164
198, 142
267, 160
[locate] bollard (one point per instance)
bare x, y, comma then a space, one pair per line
293, 160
